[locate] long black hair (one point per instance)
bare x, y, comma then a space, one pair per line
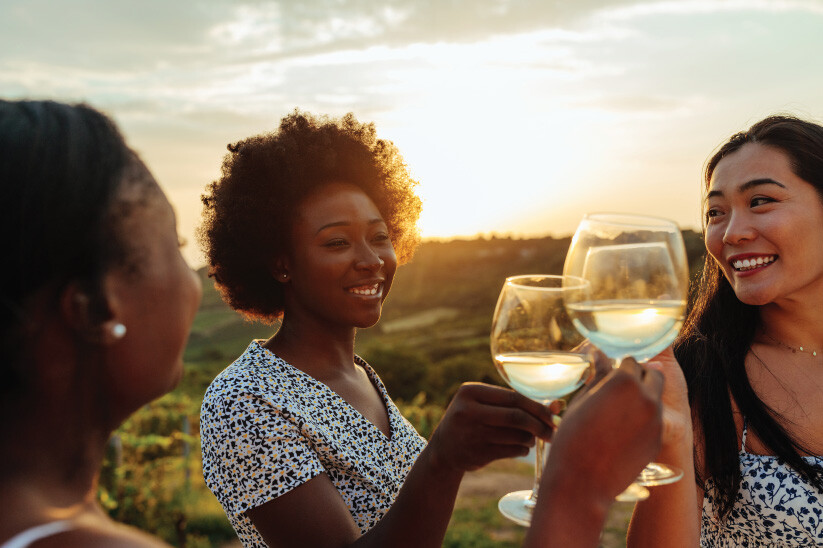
60, 170
719, 331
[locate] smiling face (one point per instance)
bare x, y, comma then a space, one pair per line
342, 262
764, 225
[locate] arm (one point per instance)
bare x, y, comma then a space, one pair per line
483, 423
671, 514
605, 439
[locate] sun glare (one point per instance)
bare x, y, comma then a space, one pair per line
484, 136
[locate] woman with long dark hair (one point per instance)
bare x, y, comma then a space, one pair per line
96, 303
752, 353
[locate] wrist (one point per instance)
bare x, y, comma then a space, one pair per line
678, 450
436, 467
569, 511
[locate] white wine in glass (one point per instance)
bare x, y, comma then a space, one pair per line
537, 350
638, 272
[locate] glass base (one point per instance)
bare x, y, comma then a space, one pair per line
518, 506
658, 474
633, 493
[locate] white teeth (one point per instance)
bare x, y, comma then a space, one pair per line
748, 264
367, 291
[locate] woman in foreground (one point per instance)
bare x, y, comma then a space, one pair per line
752, 354
301, 443
96, 303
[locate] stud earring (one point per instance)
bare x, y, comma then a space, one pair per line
118, 330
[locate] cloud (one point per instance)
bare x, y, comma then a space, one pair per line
689, 7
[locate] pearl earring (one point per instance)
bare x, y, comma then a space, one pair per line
118, 330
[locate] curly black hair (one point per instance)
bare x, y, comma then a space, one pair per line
249, 211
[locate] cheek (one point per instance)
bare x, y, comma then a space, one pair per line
714, 243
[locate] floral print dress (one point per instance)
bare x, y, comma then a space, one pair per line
267, 427
775, 507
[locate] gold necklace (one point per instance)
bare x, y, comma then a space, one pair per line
794, 349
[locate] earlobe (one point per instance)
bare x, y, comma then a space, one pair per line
95, 322
113, 331
279, 270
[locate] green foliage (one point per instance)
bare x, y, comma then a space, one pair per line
402, 370
151, 476
424, 417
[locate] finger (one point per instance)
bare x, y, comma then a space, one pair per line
653, 383
602, 363
515, 418
556, 407
495, 452
504, 397
629, 365
508, 436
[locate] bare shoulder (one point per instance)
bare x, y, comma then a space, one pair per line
111, 536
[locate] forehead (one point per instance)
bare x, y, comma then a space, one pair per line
337, 202
751, 162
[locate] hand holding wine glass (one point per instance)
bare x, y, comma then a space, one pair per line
608, 434
538, 351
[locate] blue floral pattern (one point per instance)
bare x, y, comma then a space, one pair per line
775, 507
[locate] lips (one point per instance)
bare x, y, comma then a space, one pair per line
751, 262
367, 290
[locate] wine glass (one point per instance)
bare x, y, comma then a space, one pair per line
538, 352
638, 272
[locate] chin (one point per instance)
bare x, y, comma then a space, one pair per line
365, 323
177, 377
753, 298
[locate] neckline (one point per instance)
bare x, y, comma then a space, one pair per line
375, 381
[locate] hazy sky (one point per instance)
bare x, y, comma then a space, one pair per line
516, 116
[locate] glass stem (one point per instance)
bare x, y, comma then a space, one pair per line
540, 459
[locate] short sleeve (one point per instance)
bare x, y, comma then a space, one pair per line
253, 451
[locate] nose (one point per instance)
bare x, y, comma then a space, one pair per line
738, 229
369, 259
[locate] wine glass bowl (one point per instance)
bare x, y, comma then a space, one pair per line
539, 353
633, 309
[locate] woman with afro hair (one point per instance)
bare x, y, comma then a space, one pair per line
301, 443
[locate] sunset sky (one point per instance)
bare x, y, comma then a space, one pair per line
516, 116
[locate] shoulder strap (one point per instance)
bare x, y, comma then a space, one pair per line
33, 534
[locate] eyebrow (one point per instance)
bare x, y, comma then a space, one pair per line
370, 222
747, 186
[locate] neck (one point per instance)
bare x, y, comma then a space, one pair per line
49, 472
795, 324
54, 437
319, 351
